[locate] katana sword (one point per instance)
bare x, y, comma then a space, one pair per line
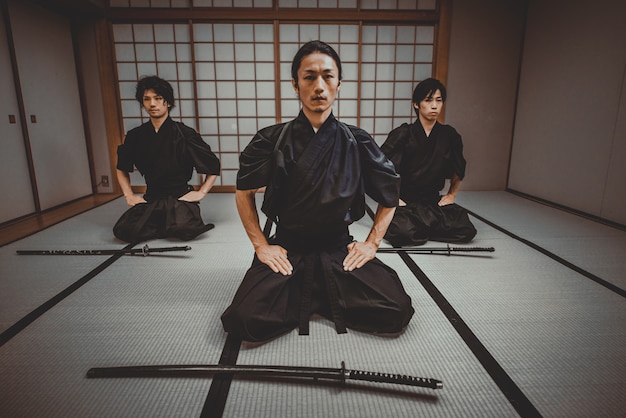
315, 373
145, 251
448, 250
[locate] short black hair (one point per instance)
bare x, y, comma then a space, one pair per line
309, 48
427, 88
161, 87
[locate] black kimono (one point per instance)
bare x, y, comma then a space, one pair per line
424, 163
166, 159
315, 189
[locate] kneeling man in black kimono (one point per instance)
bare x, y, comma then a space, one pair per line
316, 170
425, 154
165, 153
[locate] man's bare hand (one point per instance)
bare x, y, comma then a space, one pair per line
447, 199
275, 257
192, 196
359, 253
134, 199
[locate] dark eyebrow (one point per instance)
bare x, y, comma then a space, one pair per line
326, 70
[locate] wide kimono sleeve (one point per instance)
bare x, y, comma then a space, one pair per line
380, 179
457, 161
256, 161
199, 152
126, 152
396, 142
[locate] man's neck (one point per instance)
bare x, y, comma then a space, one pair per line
158, 122
427, 124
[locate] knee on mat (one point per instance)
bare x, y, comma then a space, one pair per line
255, 329
466, 235
387, 321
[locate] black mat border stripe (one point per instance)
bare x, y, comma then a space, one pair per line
215, 401
20, 325
511, 391
610, 286
507, 386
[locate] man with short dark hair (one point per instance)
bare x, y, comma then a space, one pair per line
165, 152
317, 171
425, 154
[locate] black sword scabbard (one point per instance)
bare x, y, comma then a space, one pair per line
145, 251
315, 373
448, 250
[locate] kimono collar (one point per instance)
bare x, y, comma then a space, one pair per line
419, 130
303, 119
166, 123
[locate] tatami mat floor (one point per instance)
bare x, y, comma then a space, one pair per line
510, 333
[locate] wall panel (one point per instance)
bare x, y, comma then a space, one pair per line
45, 61
569, 106
14, 173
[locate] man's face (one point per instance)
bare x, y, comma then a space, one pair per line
155, 105
318, 83
430, 107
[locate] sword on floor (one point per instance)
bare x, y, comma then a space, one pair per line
316, 373
144, 251
447, 250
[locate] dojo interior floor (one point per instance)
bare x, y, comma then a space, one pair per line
535, 328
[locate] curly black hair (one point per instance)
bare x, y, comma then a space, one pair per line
161, 87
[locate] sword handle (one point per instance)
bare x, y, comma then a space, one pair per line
471, 249
399, 379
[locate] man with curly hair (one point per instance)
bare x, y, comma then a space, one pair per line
165, 152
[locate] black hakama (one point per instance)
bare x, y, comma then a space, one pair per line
424, 163
166, 159
321, 180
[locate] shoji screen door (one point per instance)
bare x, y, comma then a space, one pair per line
233, 78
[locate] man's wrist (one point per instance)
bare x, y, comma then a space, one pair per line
374, 241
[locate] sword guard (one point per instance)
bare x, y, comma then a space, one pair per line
345, 374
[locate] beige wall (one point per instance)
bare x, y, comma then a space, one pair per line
485, 44
86, 44
562, 137
49, 87
569, 143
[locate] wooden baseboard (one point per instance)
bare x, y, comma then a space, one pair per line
23, 227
